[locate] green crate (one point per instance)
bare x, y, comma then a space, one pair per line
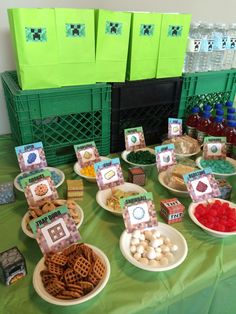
206, 87
59, 117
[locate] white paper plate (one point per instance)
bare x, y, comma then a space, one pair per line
125, 153
103, 195
77, 170
189, 155
214, 233
58, 171
217, 174
30, 234
39, 288
161, 178
176, 238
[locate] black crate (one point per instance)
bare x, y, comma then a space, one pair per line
146, 103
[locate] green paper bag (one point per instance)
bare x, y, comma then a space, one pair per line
35, 43
173, 42
76, 43
112, 41
144, 45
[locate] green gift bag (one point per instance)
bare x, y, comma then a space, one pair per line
173, 41
144, 45
76, 44
112, 41
35, 43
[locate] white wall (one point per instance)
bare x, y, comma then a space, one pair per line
205, 10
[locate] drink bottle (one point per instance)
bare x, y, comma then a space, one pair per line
219, 47
203, 126
193, 47
192, 122
205, 55
230, 133
217, 128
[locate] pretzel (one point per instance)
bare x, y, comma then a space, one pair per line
55, 269
99, 268
82, 266
59, 259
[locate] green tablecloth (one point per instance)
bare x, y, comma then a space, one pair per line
204, 283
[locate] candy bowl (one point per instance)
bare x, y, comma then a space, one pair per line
76, 213
156, 249
217, 165
124, 190
62, 290
57, 176
218, 220
126, 154
77, 170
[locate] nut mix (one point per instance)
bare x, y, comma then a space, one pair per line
72, 273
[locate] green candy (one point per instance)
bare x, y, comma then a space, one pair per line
218, 166
142, 157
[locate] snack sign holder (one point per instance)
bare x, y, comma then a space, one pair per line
134, 139
174, 127
201, 185
165, 156
214, 148
139, 212
87, 154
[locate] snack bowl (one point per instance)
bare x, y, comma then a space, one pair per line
215, 233
103, 195
165, 230
25, 220
162, 177
58, 177
198, 150
125, 154
41, 291
217, 174
77, 170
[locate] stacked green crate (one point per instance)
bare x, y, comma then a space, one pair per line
144, 45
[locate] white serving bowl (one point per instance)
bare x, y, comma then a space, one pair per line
212, 232
189, 155
162, 179
176, 238
39, 288
125, 153
217, 174
30, 234
77, 170
58, 171
103, 195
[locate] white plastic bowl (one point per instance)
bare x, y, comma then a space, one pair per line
176, 238
162, 180
30, 234
217, 174
39, 288
77, 170
125, 153
189, 155
103, 195
58, 171
212, 232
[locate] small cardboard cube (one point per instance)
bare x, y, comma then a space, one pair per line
6, 193
12, 266
172, 210
137, 176
225, 189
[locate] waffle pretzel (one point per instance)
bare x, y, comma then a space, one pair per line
47, 277
82, 266
55, 287
55, 269
71, 277
86, 286
59, 259
99, 268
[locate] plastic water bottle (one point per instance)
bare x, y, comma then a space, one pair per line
217, 128
228, 104
193, 47
203, 126
219, 47
192, 122
231, 47
206, 30
230, 133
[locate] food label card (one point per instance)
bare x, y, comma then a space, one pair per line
174, 127
201, 185
138, 212
165, 156
134, 138
214, 148
87, 154
39, 187
55, 231
108, 173
31, 156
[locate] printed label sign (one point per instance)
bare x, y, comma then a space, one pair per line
39, 187
174, 127
214, 148
108, 173
55, 230
31, 156
87, 154
134, 138
113, 28
175, 30
201, 185
75, 30
165, 156
146, 29
193, 45
35, 34
138, 212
